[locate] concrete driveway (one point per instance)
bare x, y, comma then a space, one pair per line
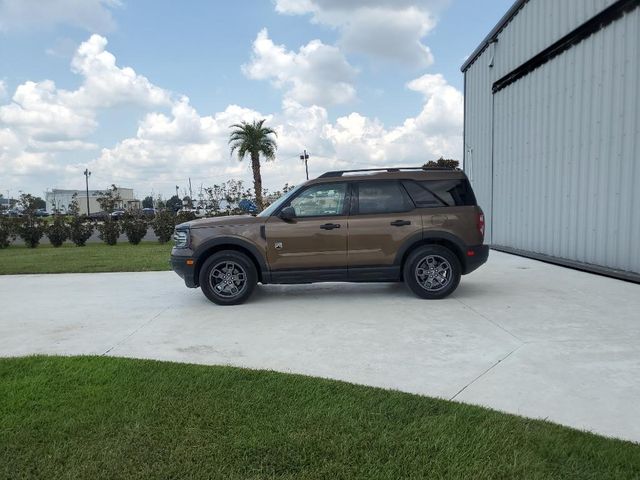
518, 335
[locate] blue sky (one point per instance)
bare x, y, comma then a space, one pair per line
372, 82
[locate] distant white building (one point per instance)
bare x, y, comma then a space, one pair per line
60, 200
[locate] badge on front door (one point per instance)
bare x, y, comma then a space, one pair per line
278, 245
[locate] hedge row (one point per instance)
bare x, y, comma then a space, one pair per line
79, 228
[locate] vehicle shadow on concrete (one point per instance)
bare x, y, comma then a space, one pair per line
329, 291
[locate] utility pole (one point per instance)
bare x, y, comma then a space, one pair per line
190, 191
177, 194
304, 157
87, 174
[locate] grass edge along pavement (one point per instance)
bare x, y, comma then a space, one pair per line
94, 257
105, 417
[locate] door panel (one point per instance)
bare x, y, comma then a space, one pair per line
302, 243
316, 238
383, 219
373, 241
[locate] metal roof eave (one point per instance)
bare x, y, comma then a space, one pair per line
506, 18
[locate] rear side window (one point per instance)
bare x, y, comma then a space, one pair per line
440, 193
382, 197
421, 196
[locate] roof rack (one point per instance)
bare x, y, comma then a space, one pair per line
339, 173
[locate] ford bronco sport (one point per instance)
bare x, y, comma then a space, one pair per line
420, 226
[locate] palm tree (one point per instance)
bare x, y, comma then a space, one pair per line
253, 139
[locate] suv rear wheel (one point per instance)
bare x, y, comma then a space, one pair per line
228, 277
432, 272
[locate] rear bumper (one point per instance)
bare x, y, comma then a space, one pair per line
475, 257
184, 270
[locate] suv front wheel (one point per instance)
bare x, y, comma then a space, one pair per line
432, 272
228, 277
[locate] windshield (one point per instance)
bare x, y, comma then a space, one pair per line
267, 212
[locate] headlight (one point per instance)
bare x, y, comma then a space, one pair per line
181, 237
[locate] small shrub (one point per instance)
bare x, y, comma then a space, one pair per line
109, 231
80, 230
31, 230
7, 231
58, 231
182, 217
134, 226
163, 225
80, 226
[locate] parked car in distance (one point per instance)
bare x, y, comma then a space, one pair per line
199, 211
247, 206
13, 212
117, 214
41, 212
416, 225
149, 212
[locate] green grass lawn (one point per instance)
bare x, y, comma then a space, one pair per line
94, 257
97, 417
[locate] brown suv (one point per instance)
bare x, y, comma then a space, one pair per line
420, 226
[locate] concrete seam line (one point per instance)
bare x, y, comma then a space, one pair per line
495, 324
136, 330
487, 371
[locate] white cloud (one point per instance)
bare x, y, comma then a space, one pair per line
317, 74
3, 89
106, 84
42, 120
444, 105
170, 147
435, 131
92, 15
387, 29
44, 131
41, 112
19, 165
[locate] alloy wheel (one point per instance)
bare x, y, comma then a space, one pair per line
433, 273
228, 279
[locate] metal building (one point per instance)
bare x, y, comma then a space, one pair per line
552, 132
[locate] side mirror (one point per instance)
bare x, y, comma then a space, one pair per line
288, 213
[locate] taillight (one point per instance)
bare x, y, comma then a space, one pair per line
480, 223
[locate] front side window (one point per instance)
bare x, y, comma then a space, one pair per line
267, 212
381, 197
321, 200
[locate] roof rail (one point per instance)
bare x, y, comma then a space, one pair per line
339, 173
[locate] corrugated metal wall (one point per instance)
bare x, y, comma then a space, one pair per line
538, 24
478, 131
566, 151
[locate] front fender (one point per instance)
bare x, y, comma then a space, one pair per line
200, 253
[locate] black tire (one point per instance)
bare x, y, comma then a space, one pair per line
432, 279
222, 272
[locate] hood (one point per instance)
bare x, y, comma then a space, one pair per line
223, 221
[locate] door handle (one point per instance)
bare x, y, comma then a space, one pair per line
400, 223
329, 226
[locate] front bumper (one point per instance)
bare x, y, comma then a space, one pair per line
475, 257
184, 266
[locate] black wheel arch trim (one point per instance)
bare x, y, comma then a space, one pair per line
423, 238
199, 254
